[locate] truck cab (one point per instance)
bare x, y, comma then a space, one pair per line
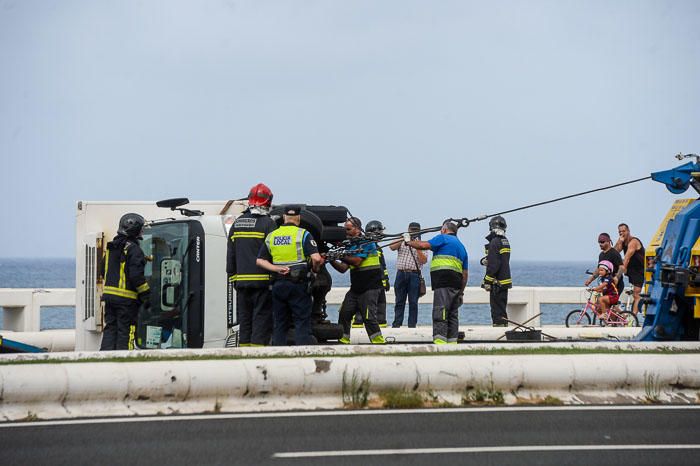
192, 301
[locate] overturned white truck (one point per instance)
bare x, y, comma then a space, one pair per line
192, 302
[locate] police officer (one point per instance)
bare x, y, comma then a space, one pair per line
497, 280
125, 284
252, 284
286, 252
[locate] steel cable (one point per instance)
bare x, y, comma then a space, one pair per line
464, 222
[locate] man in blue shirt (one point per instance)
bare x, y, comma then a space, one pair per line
449, 270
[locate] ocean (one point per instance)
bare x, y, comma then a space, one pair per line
60, 273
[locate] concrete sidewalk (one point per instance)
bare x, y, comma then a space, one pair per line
64, 340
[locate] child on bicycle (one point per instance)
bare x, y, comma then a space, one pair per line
607, 288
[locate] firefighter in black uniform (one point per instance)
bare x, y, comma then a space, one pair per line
252, 284
497, 261
125, 286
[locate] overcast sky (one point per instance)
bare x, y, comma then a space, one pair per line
400, 110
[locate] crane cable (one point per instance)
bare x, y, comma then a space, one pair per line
464, 222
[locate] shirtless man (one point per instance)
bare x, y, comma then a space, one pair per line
633, 261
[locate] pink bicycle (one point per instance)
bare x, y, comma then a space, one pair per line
614, 317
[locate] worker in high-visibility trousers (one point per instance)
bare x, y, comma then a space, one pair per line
449, 271
365, 285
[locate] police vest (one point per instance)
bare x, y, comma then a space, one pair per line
286, 245
119, 264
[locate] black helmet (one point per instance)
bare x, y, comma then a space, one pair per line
375, 226
130, 225
497, 223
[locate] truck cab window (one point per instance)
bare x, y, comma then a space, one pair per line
164, 324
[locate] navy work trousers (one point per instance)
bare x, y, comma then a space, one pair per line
291, 301
407, 285
254, 311
499, 301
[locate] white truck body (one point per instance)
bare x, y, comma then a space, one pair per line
96, 224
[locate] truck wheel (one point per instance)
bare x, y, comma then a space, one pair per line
330, 214
333, 234
312, 224
325, 332
309, 221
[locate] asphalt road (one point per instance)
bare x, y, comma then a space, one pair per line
480, 436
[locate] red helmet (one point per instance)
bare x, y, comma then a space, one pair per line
260, 196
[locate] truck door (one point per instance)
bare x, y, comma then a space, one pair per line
174, 273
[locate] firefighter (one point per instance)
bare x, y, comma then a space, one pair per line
125, 287
252, 284
497, 280
287, 252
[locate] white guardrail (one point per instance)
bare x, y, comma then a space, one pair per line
22, 306
61, 389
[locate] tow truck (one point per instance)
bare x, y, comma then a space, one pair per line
672, 262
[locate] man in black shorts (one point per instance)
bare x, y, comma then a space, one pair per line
633, 261
609, 253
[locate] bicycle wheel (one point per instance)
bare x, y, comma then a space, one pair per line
577, 317
629, 319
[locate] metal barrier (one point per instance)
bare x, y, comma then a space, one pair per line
22, 306
523, 302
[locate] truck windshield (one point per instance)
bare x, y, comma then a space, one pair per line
164, 324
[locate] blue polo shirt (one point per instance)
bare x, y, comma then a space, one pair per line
448, 245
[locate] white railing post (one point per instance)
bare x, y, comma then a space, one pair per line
535, 308
18, 307
22, 306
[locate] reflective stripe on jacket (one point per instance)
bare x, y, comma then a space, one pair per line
246, 237
124, 269
371, 262
498, 261
445, 262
